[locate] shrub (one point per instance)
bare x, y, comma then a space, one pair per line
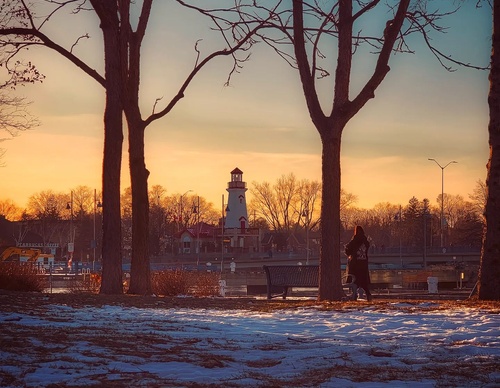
21, 277
206, 284
171, 283
177, 282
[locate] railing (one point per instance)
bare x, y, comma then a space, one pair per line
236, 185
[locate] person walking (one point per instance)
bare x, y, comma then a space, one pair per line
357, 260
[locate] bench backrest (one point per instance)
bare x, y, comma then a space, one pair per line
292, 275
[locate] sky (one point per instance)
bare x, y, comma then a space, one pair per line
260, 123
397, 345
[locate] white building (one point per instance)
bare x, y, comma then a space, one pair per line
236, 210
236, 233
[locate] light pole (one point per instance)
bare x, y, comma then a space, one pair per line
305, 214
94, 242
179, 220
442, 195
196, 210
180, 206
425, 215
71, 242
224, 211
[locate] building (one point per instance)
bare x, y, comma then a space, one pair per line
236, 234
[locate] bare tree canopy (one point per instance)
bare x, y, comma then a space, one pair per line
288, 203
302, 33
124, 24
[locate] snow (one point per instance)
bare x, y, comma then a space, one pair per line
400, 345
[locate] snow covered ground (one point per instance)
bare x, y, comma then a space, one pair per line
395, 345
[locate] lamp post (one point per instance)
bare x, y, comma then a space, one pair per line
425, 214
399, 217
97, 204
180, 206
196, 210
71, 242
223, 216
442, 195
305, 214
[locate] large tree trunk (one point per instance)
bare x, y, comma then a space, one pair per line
113, 140
140, 272
489, 271
330, 285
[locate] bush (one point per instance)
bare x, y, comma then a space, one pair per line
177, 282
171, 283
21, 277
206, 284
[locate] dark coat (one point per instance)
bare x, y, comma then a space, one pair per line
357, 260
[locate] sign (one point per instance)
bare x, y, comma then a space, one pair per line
71, 247
38, 245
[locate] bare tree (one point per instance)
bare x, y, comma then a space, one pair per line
287, 204
131, 40
83, 199
489, 271
479, 197
309, 204
14, 116
45, 212
263, 204
302, 35
9, 210
21, 29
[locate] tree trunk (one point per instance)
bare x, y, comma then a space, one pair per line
113, 140
140, 272
489, 271
330, 285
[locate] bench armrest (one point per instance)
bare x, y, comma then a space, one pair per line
348, 279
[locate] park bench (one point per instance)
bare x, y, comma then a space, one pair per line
282, 277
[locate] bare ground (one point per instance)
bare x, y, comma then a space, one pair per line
16, 338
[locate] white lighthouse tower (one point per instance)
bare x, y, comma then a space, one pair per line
236, 210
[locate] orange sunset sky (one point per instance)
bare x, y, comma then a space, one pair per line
260, 122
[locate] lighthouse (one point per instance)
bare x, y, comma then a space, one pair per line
236, 210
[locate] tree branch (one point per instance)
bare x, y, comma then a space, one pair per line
391, 33
46, 41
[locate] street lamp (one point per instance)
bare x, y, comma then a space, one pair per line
442, 195
226, 209
196, 210
180, 206
71, 242
305, 214
97, 204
